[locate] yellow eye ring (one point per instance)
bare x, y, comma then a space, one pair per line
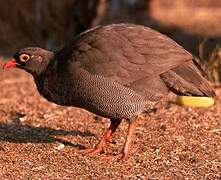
24, 57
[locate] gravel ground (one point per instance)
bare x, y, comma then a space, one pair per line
40, 140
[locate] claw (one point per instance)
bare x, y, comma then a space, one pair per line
92, 151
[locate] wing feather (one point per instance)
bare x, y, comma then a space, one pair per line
126, 53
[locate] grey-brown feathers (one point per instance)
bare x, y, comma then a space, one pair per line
117, 71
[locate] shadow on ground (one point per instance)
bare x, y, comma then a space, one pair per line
18, 133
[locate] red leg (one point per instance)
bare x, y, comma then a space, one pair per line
128, 144
129, 141
105, 138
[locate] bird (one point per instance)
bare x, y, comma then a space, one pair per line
116, 71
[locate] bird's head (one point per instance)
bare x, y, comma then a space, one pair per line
32, 59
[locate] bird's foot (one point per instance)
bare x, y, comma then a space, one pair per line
96, 151
92, 151
118, 157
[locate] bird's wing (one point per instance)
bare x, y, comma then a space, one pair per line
126, 53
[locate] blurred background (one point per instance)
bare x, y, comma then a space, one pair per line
194, 24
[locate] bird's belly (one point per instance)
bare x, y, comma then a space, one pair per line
100, 103
109, 99
118, 110
96, 94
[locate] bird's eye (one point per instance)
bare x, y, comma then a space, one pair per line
24, 57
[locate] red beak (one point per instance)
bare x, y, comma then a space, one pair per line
10, 63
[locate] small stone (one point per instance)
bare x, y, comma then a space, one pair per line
59, 147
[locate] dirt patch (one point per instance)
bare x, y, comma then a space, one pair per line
42, 140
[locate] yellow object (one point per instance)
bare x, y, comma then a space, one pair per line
192, 101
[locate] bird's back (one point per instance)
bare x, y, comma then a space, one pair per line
139, 58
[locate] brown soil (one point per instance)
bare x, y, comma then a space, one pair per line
40, 140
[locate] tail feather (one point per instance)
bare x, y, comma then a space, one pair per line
187, 79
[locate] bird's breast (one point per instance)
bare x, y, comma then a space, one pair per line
54, 90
